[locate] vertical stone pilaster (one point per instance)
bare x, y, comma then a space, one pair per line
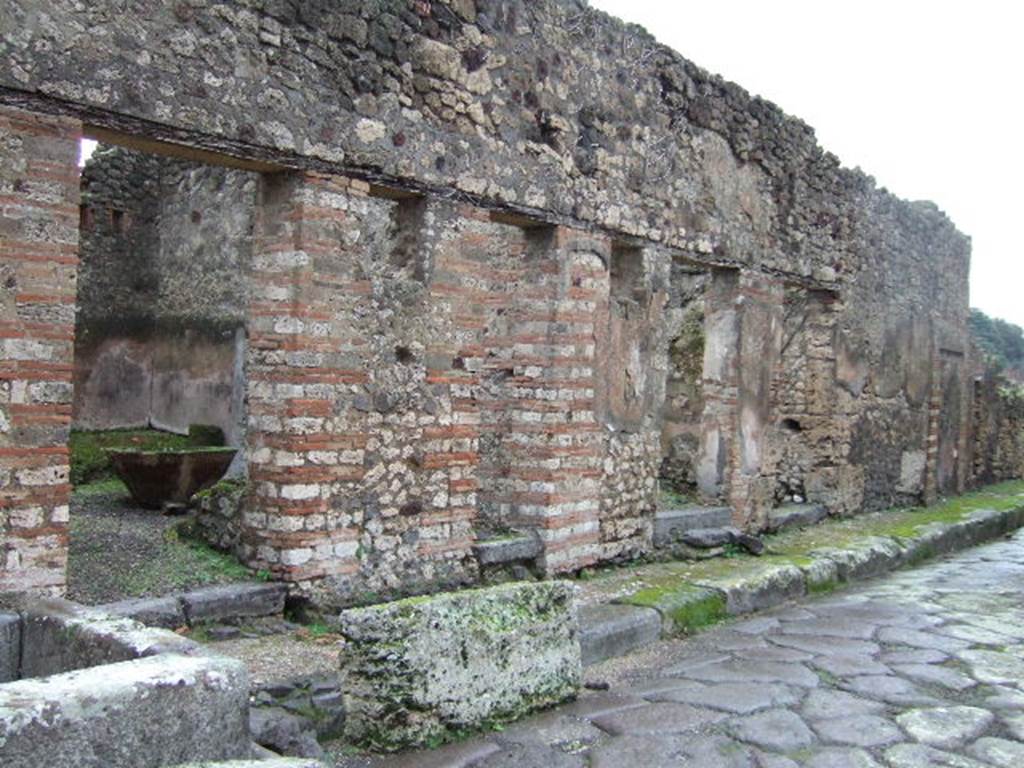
744, 326
39, 198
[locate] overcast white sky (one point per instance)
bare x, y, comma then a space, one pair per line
924, 96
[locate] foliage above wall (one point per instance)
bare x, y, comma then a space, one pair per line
1002, 341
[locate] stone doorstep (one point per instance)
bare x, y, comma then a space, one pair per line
670, 524
795, 516
607, 632
219, 603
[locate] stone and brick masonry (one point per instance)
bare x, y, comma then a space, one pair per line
482, 237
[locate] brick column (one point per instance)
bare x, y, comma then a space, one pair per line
39, 194
300, 363
743, 335
557, 445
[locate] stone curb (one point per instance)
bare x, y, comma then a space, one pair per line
775, 583
218, 603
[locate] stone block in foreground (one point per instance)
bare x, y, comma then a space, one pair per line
422, 669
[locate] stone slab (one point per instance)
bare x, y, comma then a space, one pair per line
425, 668
233, 601
505, 551
607, 631
795, 516
165, 612
671, 524
10, 646
160, 710
274, 762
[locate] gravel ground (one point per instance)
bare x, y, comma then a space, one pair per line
282, 657
119, 550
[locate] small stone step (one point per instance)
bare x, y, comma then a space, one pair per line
234, 601
795, 516
511, 549
671, 524
608, 631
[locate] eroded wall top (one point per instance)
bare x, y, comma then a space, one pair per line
546, 104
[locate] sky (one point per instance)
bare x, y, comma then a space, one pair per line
923, 96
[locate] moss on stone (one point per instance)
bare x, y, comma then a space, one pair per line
685, 606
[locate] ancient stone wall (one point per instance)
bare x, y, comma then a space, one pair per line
165, 248
997, 451
477, 236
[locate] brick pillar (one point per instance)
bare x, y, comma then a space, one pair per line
743, 336
557, 445
39, 194
300, 363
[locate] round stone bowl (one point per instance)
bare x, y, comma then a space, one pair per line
155, 478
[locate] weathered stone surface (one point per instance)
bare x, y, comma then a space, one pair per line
831, 704
795, 516
10, 646
756, 671
998, 752
858, 731
777, 729
922, 756
766, 589
272, 762
158, 710
607, 631
934, 674
739, 698
945, 727
284, 732
894, 690
419, 668
661, 718
839, 757
510, 550
671, 524
994, 666
233, 601
166, 612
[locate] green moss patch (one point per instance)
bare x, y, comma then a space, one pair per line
687, 608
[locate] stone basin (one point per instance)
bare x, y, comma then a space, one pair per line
155, 478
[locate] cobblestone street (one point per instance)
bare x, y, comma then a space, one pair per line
921, 668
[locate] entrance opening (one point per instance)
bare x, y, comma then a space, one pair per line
159, 346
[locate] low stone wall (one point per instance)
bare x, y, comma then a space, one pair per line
96, 691
422, 669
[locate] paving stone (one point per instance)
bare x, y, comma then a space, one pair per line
734, 641
975, 635
998, 752
1015, 725
831, 627
551, 729
919, 639
778, 729
919, 656
529, 756
841, 757
922, 756
603, 703
932, 674
858, 731
894, 690
756, 626
608, 631
682, 667
945, 727
994, 666
765, 760
450, 756
848, 666
739, 698
826, 646
773, 653
1004, 698
757, 672
657, 719
826, 704
640, 752
717, 752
